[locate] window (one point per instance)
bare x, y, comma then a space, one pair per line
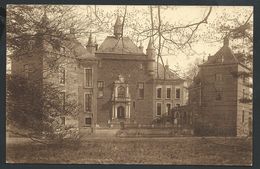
219, 93
27, 70
121, 92
141, 90
218, 77
62, 50
141, 66
62, 120
243, 116
158, 109
88, 102
159, 92
99, 64
168, 92
56, 45
244, 94
100, 88
62, 75
178, 105
220, 59
88, 121
177, 93
168, 108
88, 77
63, 99
134, 104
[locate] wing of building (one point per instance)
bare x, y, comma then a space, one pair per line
217, 93
113, 83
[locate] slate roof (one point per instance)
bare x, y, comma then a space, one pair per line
78, 49
169, 74
226, 53
122, 45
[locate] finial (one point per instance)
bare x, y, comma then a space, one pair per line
226, 41
90, 41
118, 27
150, 44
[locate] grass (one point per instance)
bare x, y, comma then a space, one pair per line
178, 151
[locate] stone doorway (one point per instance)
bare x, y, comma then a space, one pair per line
120, 112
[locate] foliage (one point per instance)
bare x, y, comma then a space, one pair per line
35, 110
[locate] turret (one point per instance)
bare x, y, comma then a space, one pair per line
44, 23
118, 28
91, 47
150, 52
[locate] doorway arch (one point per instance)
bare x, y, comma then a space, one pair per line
120, 112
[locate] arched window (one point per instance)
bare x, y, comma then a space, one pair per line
121, 91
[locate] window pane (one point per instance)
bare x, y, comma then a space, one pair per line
63, 97
141, 90
159, 92
168, 94
178, 93
88, 101
121, 91
168, 108
100, 88
88, 121
62, 75
159, 109
88, 76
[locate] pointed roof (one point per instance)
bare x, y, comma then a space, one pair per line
45, 20
90, 40
169, 74
223, 56
118, 21
150, 44
77, 49
123, 45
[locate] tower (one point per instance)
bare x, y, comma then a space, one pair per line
91, 47
150, 52
118, 28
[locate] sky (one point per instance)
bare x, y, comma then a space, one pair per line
182, 14
175, 15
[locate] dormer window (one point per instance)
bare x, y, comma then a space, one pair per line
220, 59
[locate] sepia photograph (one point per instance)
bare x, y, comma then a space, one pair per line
129, 84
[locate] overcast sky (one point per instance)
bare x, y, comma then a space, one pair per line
183, 14
178, 15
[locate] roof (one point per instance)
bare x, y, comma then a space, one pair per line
78, 49
122, 45
169, 74
223, 56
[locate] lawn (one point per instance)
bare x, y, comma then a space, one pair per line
181, 150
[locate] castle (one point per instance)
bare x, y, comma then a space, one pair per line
118, 83
114, 83
218, 93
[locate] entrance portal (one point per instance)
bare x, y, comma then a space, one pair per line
120, 112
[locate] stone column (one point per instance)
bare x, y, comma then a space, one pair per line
113, 111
